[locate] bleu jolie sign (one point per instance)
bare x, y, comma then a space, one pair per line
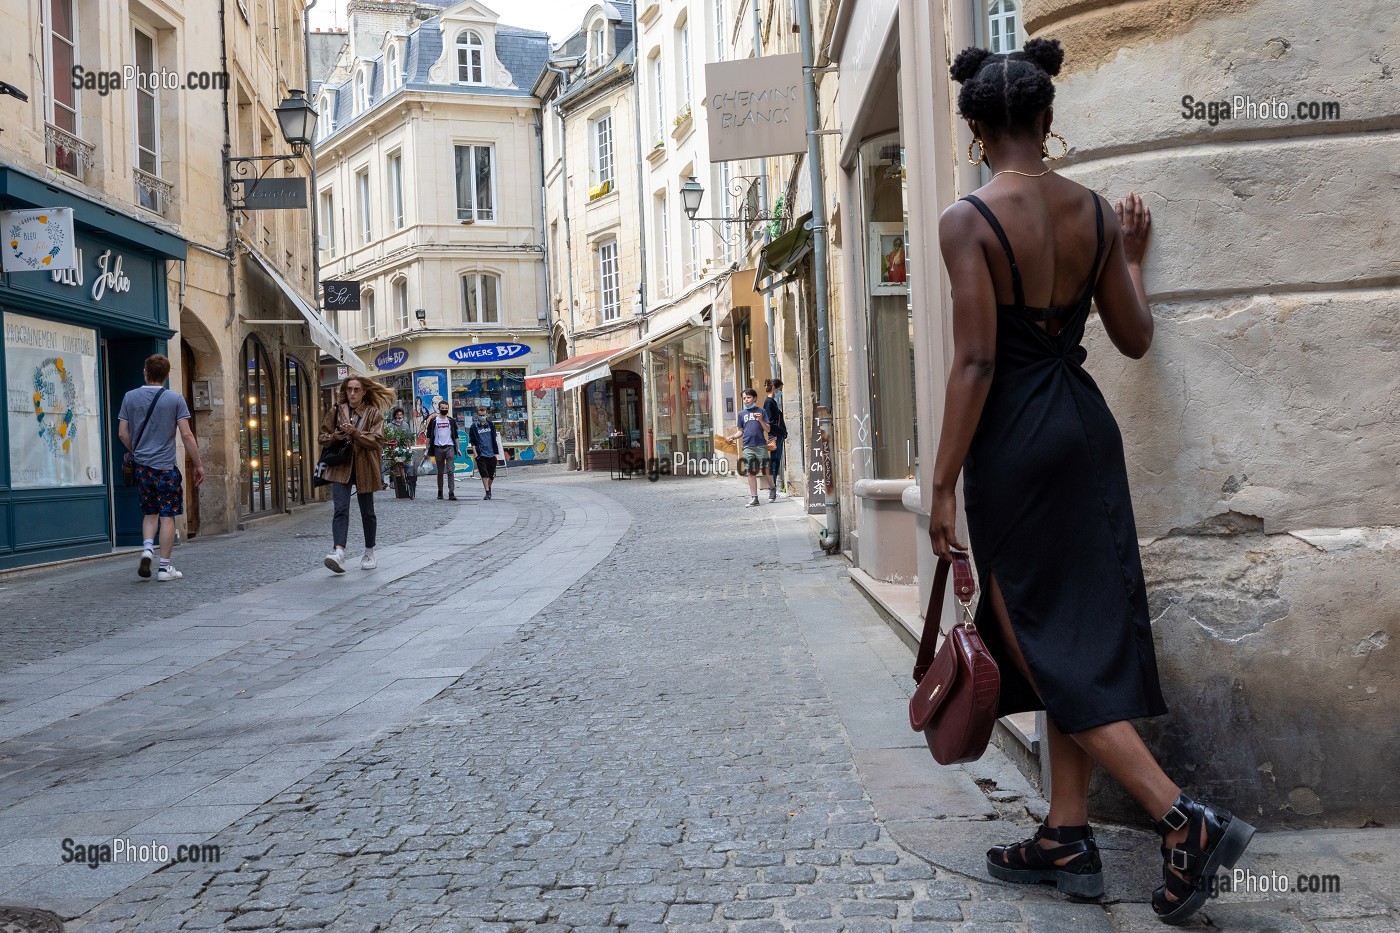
488, 352
392, 358
105, 277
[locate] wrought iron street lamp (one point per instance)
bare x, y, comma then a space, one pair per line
693, 193
297, 120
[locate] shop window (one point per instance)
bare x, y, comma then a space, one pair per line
481, 298
681, 379
502, 391
888, 429
296, 421
475, 196
471, 58
259, 466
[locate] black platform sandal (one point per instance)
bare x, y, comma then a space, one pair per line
1227, 836
1029, 862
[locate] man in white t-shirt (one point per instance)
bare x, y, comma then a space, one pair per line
441, 432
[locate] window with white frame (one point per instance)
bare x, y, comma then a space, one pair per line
362, 206
60, 26
481, 298
601, 154
597, 46
474, 166
328, 221
658, 99
692, 242
726, 178
361, 91
325, 121
147, 119
663, 251
401, 303
371, 319
609, 298
471, 58
720, 30
396, 188
683, 79
391, 69
1002, 26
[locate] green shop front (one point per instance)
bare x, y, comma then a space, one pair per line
74, 343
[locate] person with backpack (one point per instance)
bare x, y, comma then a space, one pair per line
441, 432
159, 415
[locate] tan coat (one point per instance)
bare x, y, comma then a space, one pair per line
368, 446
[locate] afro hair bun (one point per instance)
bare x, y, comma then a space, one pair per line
1046, 53
968, 61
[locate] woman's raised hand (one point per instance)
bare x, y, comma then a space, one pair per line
1136, 220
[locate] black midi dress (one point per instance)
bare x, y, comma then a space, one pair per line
1049, 516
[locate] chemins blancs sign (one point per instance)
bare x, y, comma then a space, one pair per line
756, 107
488, 352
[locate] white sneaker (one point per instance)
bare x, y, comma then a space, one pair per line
368, 562
168, 573
143, 569
335, 561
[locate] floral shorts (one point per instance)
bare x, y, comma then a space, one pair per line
161, 491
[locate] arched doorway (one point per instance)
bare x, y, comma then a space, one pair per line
256, 436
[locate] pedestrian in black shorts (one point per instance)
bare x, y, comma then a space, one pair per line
481, 441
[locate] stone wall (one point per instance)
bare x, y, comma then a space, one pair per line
1263, 429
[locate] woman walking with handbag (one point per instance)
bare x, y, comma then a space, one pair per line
356, 422
1045, 482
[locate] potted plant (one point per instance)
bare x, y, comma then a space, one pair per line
398, 454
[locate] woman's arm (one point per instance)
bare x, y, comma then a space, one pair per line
974, 362
1120, 295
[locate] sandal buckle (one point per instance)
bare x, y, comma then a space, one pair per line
1180, 815
1185, 864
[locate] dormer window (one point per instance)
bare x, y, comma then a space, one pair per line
597, 46
391, 69
325, 126
471, 58
361, 91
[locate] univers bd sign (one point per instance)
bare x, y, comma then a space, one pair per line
488, 352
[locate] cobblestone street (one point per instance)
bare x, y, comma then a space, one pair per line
584, 705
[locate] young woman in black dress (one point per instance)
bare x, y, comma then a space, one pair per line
1045, 482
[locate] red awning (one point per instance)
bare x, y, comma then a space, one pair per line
554, 376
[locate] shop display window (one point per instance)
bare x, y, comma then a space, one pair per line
500, 390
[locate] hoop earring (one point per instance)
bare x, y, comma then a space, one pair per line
1045, 151
981, 152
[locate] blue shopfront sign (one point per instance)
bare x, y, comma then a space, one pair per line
488, 352
109, 279
392, 358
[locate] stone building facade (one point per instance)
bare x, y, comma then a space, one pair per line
429, 193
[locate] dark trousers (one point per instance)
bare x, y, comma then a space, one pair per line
446, 463
775, 459
340, 523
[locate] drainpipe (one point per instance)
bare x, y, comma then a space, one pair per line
548, 257
831, 539
774, 370
641, 194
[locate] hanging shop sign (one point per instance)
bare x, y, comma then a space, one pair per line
392, 358
37, 240
54, 417
341, 296
271, 194
756, 107
488, 352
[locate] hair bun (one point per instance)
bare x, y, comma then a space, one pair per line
968, 61
1046, 53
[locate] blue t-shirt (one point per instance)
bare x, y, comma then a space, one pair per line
483, 437
751, 423
157, 447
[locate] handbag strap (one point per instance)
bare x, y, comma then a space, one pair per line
963, 587
136, 441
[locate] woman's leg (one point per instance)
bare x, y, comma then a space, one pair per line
1070, 765
367, 517
340, 519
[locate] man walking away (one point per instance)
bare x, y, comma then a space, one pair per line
441, 431
773, 411
158, 414
753, 428
481, 437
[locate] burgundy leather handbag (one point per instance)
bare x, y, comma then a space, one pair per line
955, 702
